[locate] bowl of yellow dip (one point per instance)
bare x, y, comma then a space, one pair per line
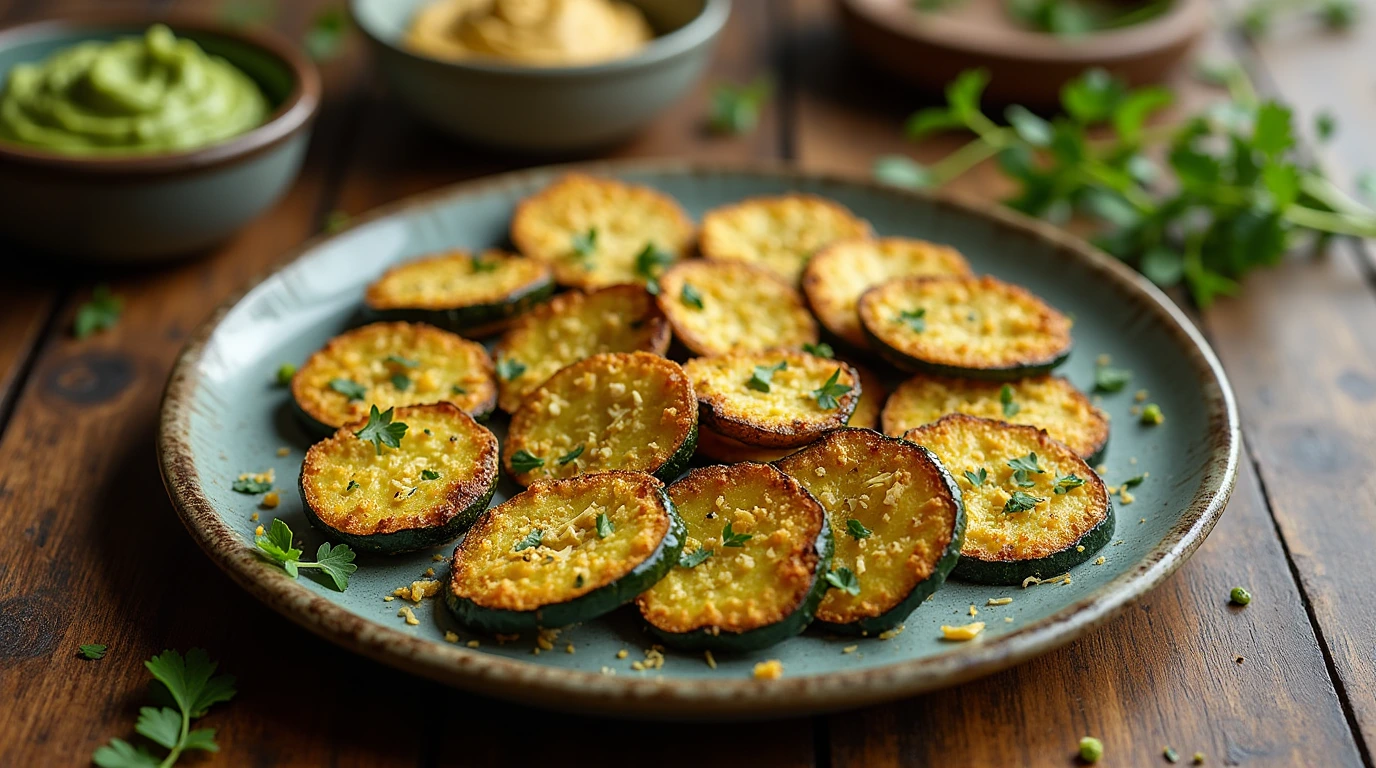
128, 140
548, 76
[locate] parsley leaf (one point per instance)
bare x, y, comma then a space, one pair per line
690, 296
826, 394
93, 651
457, 390
1026, 463
325, 38
571, 455
730, 538
1111, 380
523, 461
763, 376
250, 486
695, 558
401, 381
845, 580
900, 171
735, 109
1067, 483
101, 313
649, 263
585, 245
1133, 482
352, 485
350, 389
381, 430
192, 685
429, 474
857, 529
915, 319
977, 478
532, 539
1010, 408
480, 264
336, 562
605, 526
401, 361
509, 368
1021, 502
821, 349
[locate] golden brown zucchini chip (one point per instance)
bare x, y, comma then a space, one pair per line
1047, 402
1034, 507
564, 551
837, 276
424, 492
719, 307
779, 233
391, 364
459, 291
773, 399
751, 570
570, 327
898, 523
973, 327
591, 230
633, 411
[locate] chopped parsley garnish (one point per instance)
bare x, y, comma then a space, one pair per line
93, 651
578, 581
585, 245
571, 455
730, 538
250, 486
695, 558
977, 478
1152, 415
381, 430
857, 529
763, 376
1022, 466
429, 474
402, 361
821, 349
605, 526
481, 264
101, 313
401, 381
285, 372
509, 368
350, 389
915, 319
457, 390
336, 562
845, 580
826, 394
352, 485
1107, 379
649, 263
191, 686
1010, 408
1133, 482
524, 461
690, 296
1238, 596
1067, 483
1021, 502
532, 539
735, 109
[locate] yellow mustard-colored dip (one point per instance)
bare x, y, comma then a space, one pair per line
541, 33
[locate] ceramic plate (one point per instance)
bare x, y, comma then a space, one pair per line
223, 416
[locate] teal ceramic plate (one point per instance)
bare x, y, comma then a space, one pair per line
223, 416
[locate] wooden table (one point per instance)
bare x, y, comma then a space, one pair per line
97, 555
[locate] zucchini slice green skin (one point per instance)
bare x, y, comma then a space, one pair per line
586, 607
1014, 572
410, 540
476, 320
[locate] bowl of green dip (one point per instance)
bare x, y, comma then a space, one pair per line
129, 140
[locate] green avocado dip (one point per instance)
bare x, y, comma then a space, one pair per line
149, 94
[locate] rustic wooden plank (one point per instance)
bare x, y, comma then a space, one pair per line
1164, 673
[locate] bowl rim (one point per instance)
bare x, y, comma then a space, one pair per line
295, 112
1184, 20
701, 29
714, 698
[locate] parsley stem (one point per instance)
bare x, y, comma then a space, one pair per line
1330, 221
972, 154
1332, 195
176, 752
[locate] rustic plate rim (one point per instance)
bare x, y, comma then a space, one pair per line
709, 697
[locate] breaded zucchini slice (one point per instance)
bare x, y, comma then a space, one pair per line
751, 573
1019, 524
898, 522
459, 291
871, 402
726, 450
716, 307
419, 495
620, 410
779, 233
837, 276
591, 230
974, 327
570, 327
775, 398
564, 551
389, 364
1046, 402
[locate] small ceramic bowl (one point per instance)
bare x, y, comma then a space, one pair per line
546, 109
135, 208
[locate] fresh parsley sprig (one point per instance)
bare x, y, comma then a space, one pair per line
350, 389
523, 461
585, 245
650, 263
821, 349
845, 580
571, 455
1021, 502
735, 109
977, 478
381, 430
336, 562
827, 393
915, 319
690, 297
857, 529
1010, 406
101, 313
509, 368
695, 558
763, 376
193, 687
93, 651
605, 526
730, 538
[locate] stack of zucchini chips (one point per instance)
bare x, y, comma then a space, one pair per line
671, 349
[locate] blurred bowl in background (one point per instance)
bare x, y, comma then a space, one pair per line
930, 48
156, 206
546, 109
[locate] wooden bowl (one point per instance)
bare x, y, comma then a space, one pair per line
930, 48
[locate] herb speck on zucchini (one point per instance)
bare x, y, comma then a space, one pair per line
857, 529
509, 369
350, 389
821, 349
915, 319
401, 381
826, 394
845, 580
605, 527
585, 245
1022, 466
977, 478
730, 538
1021, 502
524, 461
1151, 415
1240, 596
1067, 483
571, 455
429, 474
285, 372
690, 296
1091, 749
457, 390
1010, 408
352, 485
532, 539
401, 361
484, 265
381, 430
695, 558
763, 376
649, 263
